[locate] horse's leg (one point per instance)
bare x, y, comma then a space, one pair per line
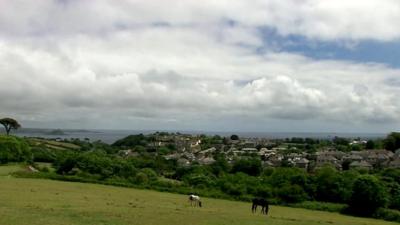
254, 208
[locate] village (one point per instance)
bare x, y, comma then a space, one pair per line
203, 150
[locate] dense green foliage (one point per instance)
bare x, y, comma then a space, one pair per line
14, 149
132, 141
368, 195
392, 141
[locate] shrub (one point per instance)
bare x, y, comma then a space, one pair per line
234, 189
330, 185
292, 193
263, 191
251, 167
141, 178
387, 214
42, 154
65, 163
368, 195
322, 206
14, 149
150, 173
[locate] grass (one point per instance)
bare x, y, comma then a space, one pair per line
5, 170
37, 201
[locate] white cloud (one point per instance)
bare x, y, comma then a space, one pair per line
101, 64
315, 19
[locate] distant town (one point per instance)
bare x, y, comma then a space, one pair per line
306, 153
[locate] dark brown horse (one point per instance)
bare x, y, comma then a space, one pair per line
260, 202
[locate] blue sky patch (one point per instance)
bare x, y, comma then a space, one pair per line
362, 51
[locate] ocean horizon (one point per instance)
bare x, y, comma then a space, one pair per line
110, 136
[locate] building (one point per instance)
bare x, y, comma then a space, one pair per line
360, 165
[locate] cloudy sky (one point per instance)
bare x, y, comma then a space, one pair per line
259, 65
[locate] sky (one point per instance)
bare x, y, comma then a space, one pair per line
259, 65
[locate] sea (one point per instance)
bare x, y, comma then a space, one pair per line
110, 136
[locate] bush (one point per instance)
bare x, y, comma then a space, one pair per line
322, 206
42, 154
368, 195
330, 185
292, 193
235, 190
251, 167
387, 214
263, 192
132, 141
283, 176
14, 149
392, 141
65, 163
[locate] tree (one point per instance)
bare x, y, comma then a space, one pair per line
292, 193
9, 124
234, 137
132, 141
368, 195
329, 185
370, 144
340, 141
392, 141
251, 167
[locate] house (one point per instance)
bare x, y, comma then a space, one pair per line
189, 156
301, 163
323, 160
183, 162
249, 144
397, 154
206, 160
172, 156
395, 163
249, 150
274, 160
264, 152
353, 156
329, 152
360, 165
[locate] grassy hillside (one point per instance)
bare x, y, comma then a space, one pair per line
34, 201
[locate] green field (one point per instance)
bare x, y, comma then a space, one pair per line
55, 145
35, 201
6, 170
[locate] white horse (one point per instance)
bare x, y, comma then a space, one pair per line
194, 200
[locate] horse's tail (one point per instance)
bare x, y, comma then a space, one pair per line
199, 203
